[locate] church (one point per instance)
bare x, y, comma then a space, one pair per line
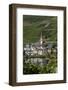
35, 48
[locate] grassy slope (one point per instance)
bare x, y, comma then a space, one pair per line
33, 25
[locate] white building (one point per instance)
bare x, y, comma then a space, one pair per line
36, 48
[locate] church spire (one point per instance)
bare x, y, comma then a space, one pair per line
41, 39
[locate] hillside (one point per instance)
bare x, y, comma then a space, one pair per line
34, 25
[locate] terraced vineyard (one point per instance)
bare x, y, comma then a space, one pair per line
34, 25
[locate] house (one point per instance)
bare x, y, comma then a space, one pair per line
38, 48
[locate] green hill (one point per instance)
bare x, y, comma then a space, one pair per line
34, 25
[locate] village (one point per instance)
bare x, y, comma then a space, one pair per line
40, 48
39, 55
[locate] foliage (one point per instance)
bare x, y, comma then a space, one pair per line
51, 67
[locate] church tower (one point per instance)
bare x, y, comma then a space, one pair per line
41, 39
